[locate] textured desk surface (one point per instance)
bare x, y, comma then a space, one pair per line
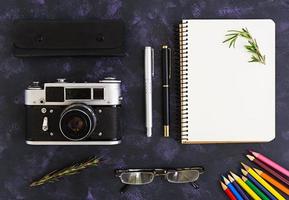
147, 23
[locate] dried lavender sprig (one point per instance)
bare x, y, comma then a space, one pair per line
68, 171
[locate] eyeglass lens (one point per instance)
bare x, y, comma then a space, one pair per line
184, 176
137, 178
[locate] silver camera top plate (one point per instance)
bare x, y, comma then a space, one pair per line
104, 92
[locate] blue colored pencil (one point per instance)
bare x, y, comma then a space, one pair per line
232, 188
261, 187
241, 192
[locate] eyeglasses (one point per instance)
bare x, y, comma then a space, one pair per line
146, 176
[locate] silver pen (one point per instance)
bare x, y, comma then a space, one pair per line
149, 73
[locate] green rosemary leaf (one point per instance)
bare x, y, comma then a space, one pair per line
252, 46
255, 42
243, 35
229, 34
254, 59
251, 49
234, 31
232, 43
230, 38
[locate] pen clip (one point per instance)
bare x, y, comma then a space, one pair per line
170, 62
153, 61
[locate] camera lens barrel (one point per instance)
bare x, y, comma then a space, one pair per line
77, 122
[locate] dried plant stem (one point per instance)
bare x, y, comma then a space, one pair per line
71, 170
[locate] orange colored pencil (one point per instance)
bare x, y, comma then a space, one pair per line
272, 181
268, 169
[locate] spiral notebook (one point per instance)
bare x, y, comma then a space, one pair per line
225, 98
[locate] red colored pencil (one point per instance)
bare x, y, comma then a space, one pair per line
227, 191
268, 169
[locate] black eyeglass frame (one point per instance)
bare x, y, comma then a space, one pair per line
158, 172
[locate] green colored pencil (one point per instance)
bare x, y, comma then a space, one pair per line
255, 189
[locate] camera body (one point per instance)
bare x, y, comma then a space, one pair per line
63, 113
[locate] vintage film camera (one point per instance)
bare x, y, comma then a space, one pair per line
64, 113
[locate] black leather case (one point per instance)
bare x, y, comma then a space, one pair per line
68, 38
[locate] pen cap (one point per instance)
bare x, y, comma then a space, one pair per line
166, 64
149, 61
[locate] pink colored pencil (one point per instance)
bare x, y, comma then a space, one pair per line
270, 163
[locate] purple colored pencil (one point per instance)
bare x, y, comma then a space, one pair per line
256, 183
241, 192
268, 169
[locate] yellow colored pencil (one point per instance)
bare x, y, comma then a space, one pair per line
263, 182
273, 181
245, 187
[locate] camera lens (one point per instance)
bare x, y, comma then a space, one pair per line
77, 122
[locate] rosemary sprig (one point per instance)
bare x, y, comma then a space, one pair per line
252, 46
71, 170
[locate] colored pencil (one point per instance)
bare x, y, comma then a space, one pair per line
255, 189
245, 187
227, 191
271, 163
263, 182
268, 169
261, 187
241, 192
272, 181
233, 189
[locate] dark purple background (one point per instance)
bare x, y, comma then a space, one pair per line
147, 23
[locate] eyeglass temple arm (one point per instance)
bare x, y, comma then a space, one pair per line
195, 185
124, 188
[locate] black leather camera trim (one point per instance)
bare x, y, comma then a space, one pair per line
108, 123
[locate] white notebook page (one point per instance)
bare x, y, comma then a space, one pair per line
230, 99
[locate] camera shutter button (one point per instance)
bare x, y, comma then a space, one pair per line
61, 80
35, 86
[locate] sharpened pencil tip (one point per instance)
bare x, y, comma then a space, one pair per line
234, 175
226, 180
250, 157
231, 178
245, 166
244, 178
258, 171
244, 172
254, 153
224, 187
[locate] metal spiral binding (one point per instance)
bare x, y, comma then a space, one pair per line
183, 62
175, 80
